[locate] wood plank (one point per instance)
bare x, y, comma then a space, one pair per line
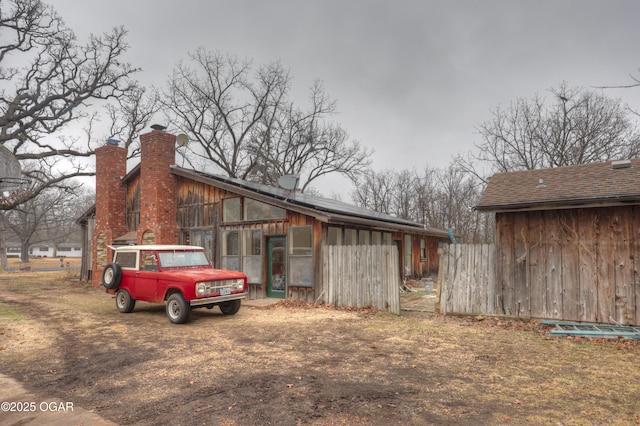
482, 277
537, 265
588, 275
443, 282
554, 265
473, 257
605, 222
624, 297
450, 278
461, 279
635, 257
521, 287
569, 241
491, 280
505, 258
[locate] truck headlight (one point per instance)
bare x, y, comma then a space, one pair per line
201, 289
239, 284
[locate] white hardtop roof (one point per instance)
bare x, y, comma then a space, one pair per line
158, 247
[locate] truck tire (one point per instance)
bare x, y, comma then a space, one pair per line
178, 309
231, 307
124, 302
111, 276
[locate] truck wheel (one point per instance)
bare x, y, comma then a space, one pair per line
231, 307
111, 276
124, 302
178, 309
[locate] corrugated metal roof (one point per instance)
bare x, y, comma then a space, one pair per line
564, 186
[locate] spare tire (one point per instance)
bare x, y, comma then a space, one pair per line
111, 276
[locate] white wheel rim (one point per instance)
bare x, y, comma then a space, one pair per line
174, 309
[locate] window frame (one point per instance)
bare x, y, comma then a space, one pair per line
408, 254
248, 261
226, 259
300, 270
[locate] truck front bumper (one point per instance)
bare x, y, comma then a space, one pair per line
217, 299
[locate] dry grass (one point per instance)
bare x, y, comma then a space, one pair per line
45, 263
295, 363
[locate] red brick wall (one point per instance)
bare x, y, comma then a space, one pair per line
111, 165
158, 187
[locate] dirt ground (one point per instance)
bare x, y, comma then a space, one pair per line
299, 364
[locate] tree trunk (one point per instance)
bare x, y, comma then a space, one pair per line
24, 251
4, 264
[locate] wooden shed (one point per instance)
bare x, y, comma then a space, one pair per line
274, 235
568, 241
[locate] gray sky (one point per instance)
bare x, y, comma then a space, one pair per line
412, 78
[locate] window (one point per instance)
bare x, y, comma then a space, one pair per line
350, 237
334, 236
231, 250
256, 210
376, 238
148, 261
301, 256
231, 210
64, 248
252, 255
44, 248
407, 255
364, 238
423, 249
127, 260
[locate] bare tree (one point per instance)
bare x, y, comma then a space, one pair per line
404, 194
213, 100
246, 126
578, 126
306, 144
59, 223
131, 113
374, 190
438, 198
30, 221
47, 82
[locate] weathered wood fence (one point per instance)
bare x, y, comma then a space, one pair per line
362, 276
467, 279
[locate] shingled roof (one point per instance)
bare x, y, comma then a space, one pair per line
586, 185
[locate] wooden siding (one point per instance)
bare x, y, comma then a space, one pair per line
132, 204
588, 258
198, 204
575, 265
427, 267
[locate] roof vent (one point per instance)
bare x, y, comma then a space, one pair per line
541, 184
620, 164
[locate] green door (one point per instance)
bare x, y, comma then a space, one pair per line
277, 273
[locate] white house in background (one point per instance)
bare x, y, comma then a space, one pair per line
46, 250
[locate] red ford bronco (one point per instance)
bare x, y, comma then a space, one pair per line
180, 276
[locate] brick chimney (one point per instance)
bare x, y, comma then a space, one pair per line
111, 165
158, 189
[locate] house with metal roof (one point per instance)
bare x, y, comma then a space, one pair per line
568, 242
274, 235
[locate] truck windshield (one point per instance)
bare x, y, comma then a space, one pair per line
182, 259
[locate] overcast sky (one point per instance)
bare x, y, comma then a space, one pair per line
412, 78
